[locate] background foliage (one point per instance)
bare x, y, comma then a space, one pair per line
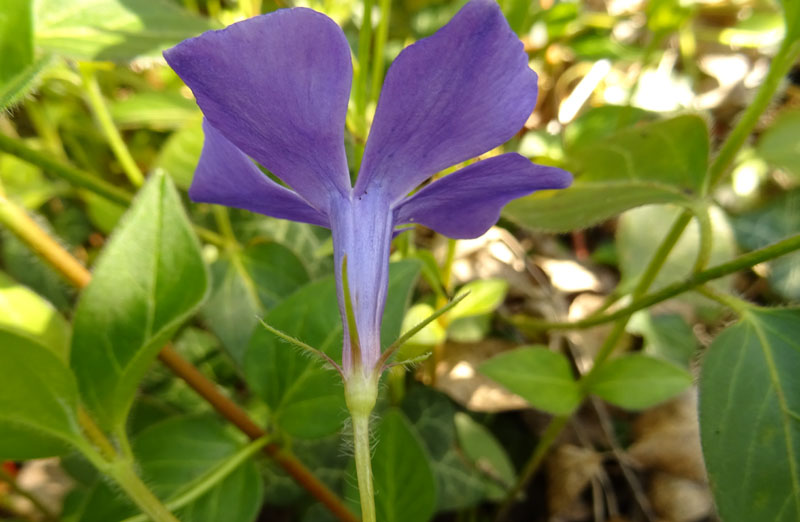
565, 387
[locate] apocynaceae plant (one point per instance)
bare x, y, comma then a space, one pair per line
275, 89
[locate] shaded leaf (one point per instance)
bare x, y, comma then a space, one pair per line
37, 394
750, 417
486, 455
485, 295
779, 144
246, 283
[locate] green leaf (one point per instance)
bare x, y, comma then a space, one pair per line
779, 145
156, 110
598, 123
305, 399
148, 280
641, 230
405, 488
791, 14
403, 276
16, 38
173, 454
660, 162
246, 283
487, 455
667, 336
485, 295
37, 391
750, 417
181, 152
538, 375
774, 221
13, 90
112, 30
458, 484
25, 313
637, 381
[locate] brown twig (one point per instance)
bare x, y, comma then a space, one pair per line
27, 230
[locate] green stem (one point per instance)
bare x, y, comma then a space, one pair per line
103, 115
740, 306
124, 475
211, 479
364, 466
362, 80
120, 468
381, 35
551, 433
779, 68
73, 175
740, 263
660, 256
706, 238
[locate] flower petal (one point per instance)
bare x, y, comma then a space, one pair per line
277, 87
466, 203
446, 99
226, 176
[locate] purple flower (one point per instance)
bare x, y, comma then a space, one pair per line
275, 88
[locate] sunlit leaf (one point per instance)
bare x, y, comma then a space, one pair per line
660, 162
637, 381
112, 30
148, 280
540, 376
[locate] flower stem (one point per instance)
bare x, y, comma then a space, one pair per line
73, 175
103, 115
364, 466
123, 474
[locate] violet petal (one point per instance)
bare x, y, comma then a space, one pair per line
226, 176
446, 99
277, 87
466, 203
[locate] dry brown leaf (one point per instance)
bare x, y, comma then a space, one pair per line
569, 470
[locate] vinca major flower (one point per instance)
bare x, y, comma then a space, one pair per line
275, 89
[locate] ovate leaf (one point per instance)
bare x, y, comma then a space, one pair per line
112, 30
405, 488
38, 394
661, 162
538, 375
636, 381
750, 417
148, 280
